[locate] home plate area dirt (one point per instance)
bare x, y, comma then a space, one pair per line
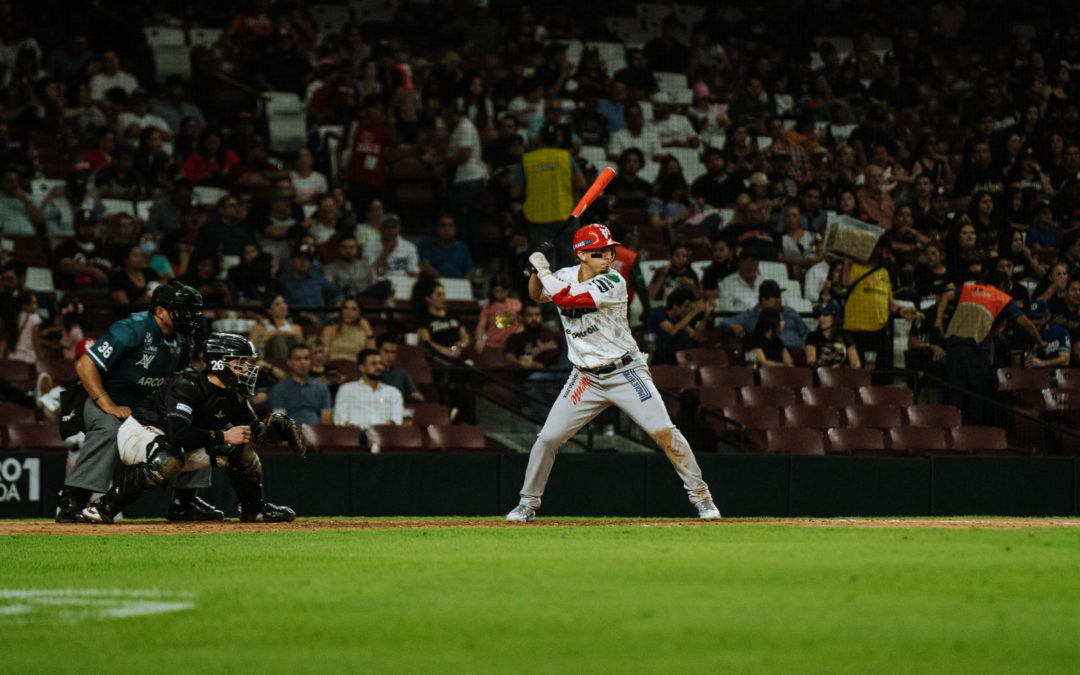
163, 527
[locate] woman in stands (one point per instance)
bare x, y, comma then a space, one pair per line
763, 346
476, 102
187, 141
500, 317
965, 257
436, 329
202, 275
134, 281
20, 324
740, 151
211, 163
350, 335
274, 335
153, 162
827, 345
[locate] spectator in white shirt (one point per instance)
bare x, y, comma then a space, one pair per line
111, 77
635, 135
130, 124
739, 292
673, 129
368, 402
307, 182
390, 255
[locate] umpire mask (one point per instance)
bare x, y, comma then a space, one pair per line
183, 303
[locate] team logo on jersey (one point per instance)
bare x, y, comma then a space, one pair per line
583, 333
638, 384
583, 384
145, 360
613, 277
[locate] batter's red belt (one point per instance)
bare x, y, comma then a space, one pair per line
604, 370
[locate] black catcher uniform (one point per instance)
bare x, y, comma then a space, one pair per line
195, 420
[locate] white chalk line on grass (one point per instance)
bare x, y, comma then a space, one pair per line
22, 606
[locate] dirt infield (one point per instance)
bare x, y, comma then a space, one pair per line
160, 527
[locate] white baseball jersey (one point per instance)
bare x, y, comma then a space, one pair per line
596, 336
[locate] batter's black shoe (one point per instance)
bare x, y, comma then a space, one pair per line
69, 505
193, 510
270, 513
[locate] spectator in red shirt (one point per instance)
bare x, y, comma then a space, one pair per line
362, 154
211, 163
338, 100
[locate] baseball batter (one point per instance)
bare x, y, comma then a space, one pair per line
608, 369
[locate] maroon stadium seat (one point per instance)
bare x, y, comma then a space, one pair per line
457, 438
837, 397
843, 376
758, 417
331, 438
873, 416
701, 356
673, 377
795, 441
429, 413
938, 416
392, 438
10, 412
785, 376
811, 416
726, 376
34, 436
777, 397
976, 440
886, 396
919, 441
718, 398
856, 441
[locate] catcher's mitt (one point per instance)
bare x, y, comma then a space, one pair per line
277, 428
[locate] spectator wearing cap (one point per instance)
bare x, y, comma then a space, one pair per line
1023, 352
131, 123
174, 106
111, 77
390, 255
1042, 236
794, 331
83, 261
442, 255
302, 286
708, 116
119, 179
935, 224
716, 187
547, 180
635, 135
62, 204
800, 168
673, 129
828, 345
737, 291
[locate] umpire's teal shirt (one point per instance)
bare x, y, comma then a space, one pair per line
134, 358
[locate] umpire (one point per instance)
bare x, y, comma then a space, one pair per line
136, 356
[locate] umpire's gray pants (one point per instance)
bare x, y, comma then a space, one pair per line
584, 397
100, 455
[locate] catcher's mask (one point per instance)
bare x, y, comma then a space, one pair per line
232, 358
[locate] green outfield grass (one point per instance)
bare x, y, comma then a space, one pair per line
752, 598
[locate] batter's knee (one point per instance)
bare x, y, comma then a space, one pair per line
663, 438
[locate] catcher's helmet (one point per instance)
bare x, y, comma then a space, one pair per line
184, 304
593, 236
221, 350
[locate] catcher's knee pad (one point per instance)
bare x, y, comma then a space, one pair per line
163, 461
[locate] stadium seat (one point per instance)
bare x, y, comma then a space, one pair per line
61, 370
13, 369
34, 436
784, 376
856, 441
491, 357
1015, 379
795, 441
811, 416
392, 438
1067, 378
837, 397
918, 441
331, 438
873, 416
286, 119
975, 440
696, 358
27, 248
457, 438
777, 397
718, 398
933, 416
726, 376
425, 414
759, 417
777, 271
11, 412
673, 377
843, 376
172, 55
885, 395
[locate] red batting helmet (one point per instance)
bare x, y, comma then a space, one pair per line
593, 236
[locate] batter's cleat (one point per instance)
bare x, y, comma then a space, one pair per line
270, 513
195, 510
98, 513
522, 514
707, 510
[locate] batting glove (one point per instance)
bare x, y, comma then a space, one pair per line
540, 263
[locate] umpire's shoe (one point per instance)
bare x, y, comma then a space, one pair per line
69, 505
99, 513
268, 513
194, 509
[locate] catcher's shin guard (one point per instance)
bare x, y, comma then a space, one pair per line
163, 462
245, 476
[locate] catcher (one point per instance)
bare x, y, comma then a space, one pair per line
199, 419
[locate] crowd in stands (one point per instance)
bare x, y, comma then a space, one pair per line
444, 141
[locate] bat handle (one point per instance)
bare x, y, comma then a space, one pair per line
547, 248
